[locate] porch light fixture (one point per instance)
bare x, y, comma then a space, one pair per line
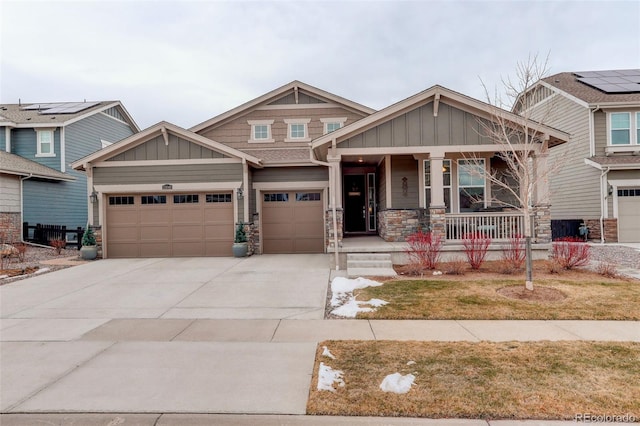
240, 193
93, 197
360, 160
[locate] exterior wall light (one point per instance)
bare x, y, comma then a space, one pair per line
93, 197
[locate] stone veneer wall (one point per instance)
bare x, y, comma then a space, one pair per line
11, 227
610, 230
542, 224
252, 230
97, 232
438, 222
396, 224
328, 225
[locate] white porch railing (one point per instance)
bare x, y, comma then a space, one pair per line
497, 226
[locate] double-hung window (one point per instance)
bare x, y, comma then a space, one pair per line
446, 179
45, 144
624, 130
297, 130
471, 184
260, 131
332, 124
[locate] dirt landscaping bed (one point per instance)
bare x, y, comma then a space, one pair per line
36, 259
541, 380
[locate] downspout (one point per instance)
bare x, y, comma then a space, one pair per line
22, 179
603, 201
333, 203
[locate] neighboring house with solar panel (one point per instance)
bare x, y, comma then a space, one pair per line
48, 137
599, 182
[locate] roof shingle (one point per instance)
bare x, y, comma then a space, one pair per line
568, 82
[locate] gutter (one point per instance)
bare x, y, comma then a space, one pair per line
333, 202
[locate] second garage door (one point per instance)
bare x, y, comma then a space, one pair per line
292, 222
628, 222
169, 225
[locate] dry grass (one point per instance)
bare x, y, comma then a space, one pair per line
589, 296
548, 380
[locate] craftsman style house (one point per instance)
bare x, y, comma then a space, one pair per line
303, 169
599, 182
48, 137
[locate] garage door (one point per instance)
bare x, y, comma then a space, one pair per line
628, 217
169, 225
292, 222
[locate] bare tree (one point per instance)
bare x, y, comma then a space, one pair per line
522, 144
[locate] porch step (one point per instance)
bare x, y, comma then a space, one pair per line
370, 264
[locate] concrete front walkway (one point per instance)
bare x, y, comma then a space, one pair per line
196, 336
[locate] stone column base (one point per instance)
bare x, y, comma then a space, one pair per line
328, 226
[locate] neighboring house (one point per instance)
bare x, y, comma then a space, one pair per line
14, 170
599, 182
289, 162
54, 135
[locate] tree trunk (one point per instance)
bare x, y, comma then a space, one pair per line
529, 265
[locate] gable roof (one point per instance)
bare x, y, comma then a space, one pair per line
433, 94
13, 164
293, 87
568, 82
36, 114
161, 128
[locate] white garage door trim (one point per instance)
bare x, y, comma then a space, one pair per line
631, 199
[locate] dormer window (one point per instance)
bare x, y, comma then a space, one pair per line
298, 130
45, 143
332, 124
260, 131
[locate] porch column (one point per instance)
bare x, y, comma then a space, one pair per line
336, 177
436, 205
541, 199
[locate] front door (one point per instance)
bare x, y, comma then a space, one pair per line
359, 189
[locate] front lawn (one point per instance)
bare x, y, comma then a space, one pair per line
476, 295
541, 380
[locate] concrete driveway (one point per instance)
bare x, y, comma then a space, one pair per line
101, 337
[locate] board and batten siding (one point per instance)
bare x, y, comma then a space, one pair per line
157, 149
382, 185
575, 187
9, 193
419, 127
303, 98
237, 132
162, 174
404, 166
291, 174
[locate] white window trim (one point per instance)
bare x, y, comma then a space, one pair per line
444, 187
634, 125
484, 177
326, 121
39, 152
304, 121
267, 123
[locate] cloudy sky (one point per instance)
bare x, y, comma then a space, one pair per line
187, 61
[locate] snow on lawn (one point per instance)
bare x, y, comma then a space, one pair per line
397, 383
345, 302
326, 352
328, 376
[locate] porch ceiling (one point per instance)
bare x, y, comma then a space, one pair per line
363, 159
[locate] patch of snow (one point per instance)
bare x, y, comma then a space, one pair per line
437, 272
397, 383
411, 363
40, 271
328, 376
327, 353
345, 303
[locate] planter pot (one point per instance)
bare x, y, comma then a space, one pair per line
240, 249
89, 252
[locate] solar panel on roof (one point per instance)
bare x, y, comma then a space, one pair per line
69, 107
612, 81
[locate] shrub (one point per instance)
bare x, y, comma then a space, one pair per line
241, 236
58, 245
513, 255
88, 238
607, 269
455, 267
424, 250
570, 252
21, 251
475, 246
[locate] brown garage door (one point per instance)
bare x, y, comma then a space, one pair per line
628, 222
292, 222
169, 225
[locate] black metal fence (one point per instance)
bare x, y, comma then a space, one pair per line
43, 234
566, 228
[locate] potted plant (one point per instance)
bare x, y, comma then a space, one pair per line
89, 249
240, 245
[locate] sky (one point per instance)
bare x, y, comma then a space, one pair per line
188, 61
